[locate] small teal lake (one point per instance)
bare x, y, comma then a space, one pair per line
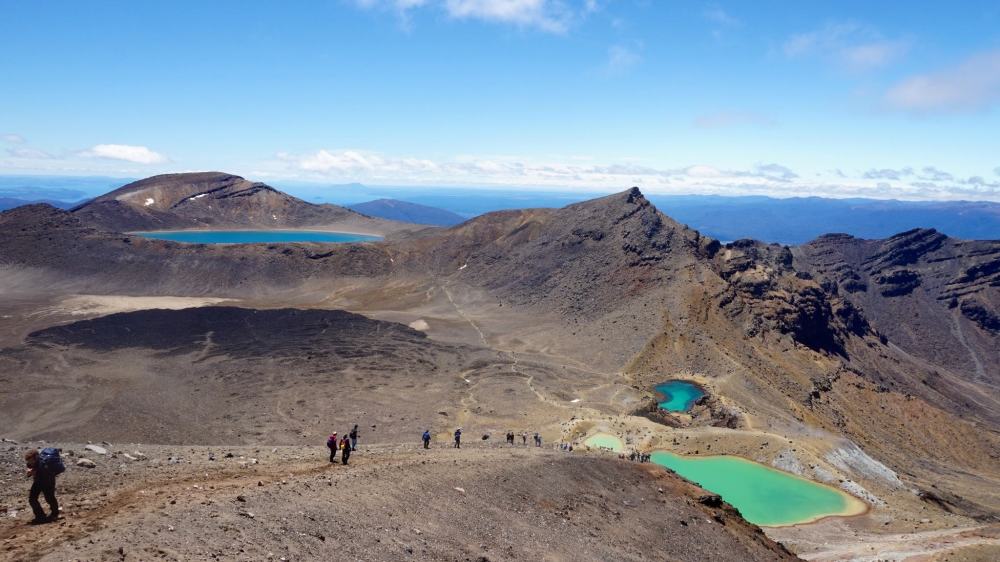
254, 236
678, 396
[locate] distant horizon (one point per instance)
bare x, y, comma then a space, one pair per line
509, 189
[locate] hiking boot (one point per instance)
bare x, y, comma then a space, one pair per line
38, 521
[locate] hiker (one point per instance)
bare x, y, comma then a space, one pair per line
345, 446
427, 439
458, 438
510, 438
354, 438
331, 443
43, 468
538, 439
524, 438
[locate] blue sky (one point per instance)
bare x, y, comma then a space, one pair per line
878, 99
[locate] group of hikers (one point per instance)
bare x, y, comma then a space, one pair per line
636, 456
524, 438
43, 466
346, 445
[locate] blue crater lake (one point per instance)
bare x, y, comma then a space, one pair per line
254, 236
678, 396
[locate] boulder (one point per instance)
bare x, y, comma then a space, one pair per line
96, 449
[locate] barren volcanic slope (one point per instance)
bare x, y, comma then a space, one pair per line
555, 320
216, 200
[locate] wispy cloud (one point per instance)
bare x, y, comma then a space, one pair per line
29, 153
851, 45
124, 152
971, 85
621, 59
721, 17
12, 138
726, 119
551, 16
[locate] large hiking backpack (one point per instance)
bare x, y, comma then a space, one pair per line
51, 461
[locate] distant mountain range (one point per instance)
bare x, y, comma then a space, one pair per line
404, 211
786, 221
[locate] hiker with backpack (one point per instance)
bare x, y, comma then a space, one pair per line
354, 438
331, 443
458, 438
43, 467
345, 452
427, 439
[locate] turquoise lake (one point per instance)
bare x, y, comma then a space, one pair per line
764, 496
678, 395
254, 236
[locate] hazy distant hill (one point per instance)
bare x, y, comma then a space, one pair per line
404, 211
799, 220
11, 202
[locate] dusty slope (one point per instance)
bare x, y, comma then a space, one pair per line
389, 504
217, 200
580, 312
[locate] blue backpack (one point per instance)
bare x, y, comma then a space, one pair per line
51, 461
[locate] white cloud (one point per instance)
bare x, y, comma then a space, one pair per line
851, 45
553, 16
575, 173
12, 138
725, 119
971, 85
621, 59
128, 153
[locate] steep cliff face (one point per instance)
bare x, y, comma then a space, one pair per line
935, 297
214, 199
766, 293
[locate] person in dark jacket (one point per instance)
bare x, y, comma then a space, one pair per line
458, 438
332, 444
43, 483
354, 438
427, 439
345, 446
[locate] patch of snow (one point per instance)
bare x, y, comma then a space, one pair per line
574, 401
850, 458
420, 324
199, 196
149, 201
465, 265
275, 217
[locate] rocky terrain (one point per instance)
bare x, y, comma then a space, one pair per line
867, 365
390, 503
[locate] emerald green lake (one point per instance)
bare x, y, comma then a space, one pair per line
763, 495
254, 236
605, 441
678, 395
